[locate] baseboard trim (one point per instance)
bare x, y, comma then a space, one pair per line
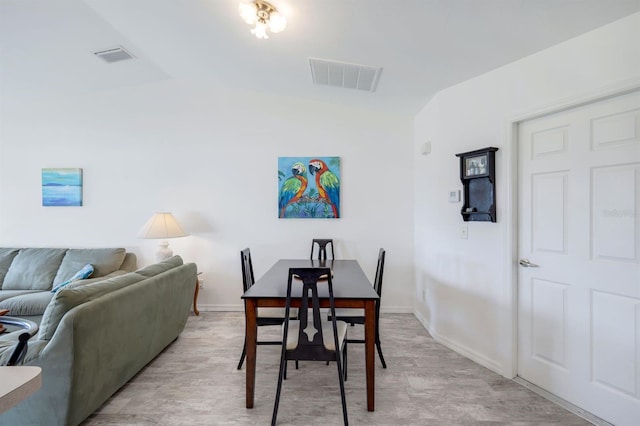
240, 308
591, 418
221, 308
461, 349
396, 310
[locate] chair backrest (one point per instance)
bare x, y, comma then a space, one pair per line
247, 269
322, 248
310, 337
377, 282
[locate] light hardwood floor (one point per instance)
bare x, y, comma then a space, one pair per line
195, 382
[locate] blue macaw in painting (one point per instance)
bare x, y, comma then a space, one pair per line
293, 188
327, 183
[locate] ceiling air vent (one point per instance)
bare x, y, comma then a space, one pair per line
114, 55
342, 74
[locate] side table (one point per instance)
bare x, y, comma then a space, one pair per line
195, 296
17, 383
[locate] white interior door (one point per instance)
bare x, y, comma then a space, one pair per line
579, 228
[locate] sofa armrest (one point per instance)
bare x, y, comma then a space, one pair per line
8, 346
130, 262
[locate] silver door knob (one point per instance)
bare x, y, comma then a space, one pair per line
527, 264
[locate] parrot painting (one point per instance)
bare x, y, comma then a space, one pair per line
327, 183
293, 188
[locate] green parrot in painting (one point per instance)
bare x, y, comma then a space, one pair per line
327, 183
293, 188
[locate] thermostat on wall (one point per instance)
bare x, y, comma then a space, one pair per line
454, 196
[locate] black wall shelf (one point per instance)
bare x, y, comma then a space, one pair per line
478, 177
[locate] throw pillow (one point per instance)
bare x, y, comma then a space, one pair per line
82, 274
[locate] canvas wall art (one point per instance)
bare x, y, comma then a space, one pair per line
61, 187
309, 187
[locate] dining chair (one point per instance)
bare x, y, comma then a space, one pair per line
265, 316
356, 316
322, 248
312, 339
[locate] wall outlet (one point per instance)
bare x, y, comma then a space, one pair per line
425, 148
464, 232
200, 283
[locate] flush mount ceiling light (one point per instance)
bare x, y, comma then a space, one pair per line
264, 16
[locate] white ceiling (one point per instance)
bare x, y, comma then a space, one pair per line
423, 45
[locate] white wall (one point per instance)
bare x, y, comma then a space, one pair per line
464, 290
209, 155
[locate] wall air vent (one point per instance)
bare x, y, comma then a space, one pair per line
114, 55
342, 74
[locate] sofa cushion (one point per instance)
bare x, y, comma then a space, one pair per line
68, 298
6, 257
104, 261
158, 268
32, 303
34, 269
6, 294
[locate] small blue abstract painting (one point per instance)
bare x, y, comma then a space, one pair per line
61, 187
309, 187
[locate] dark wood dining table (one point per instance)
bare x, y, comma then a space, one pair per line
351, 289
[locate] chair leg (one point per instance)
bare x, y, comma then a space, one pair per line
344, 357
281, 374
342, 395
384, 364
244, 354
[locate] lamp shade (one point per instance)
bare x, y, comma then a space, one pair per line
162, 225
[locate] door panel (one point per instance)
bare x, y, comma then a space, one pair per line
615, 234
612, 350
579, 220
549, 321
549, 215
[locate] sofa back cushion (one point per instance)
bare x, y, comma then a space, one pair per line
34, 269
68, 298
6, 257
158, 268
103, 260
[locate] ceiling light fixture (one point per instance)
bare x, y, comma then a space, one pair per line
264, 16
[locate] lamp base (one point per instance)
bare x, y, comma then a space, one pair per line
163, 252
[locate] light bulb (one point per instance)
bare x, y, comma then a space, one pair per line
248, 12
277, 22
260, 30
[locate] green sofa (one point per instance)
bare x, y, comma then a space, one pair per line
95, 335
27, 275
